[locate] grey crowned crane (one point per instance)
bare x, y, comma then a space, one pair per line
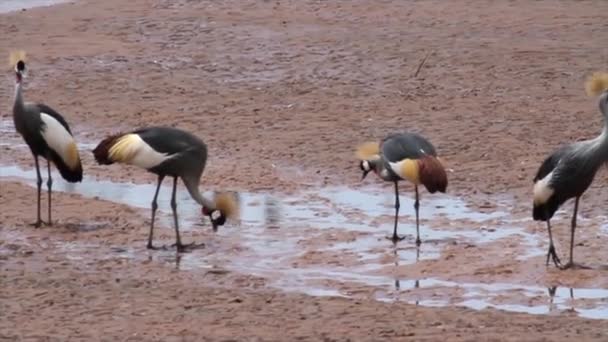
404, 156
171, 152
47, 134
569, 171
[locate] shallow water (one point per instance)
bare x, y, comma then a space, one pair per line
317, 241
17, 5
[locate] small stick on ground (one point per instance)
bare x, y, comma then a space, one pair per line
422, 63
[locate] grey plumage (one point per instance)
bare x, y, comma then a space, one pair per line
163, 151
567, 173
398, 146
422, 164
54, 143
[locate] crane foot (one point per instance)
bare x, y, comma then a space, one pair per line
188, 247
572, 265
553, 255
154, 248
39, 223
395, 238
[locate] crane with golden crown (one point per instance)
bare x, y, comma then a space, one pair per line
172, 152
47, 134
404, 156
569, 171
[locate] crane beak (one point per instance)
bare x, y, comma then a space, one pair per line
364, 174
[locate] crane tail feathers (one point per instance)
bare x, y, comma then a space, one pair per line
432, 174
102, 152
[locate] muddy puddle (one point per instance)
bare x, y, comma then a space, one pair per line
332, 241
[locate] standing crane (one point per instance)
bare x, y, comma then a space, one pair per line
404, 156
569, 171
167, 151
47, 134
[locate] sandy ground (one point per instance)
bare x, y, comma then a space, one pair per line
282, 92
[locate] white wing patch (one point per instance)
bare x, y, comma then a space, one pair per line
396, 167
542, 190
132, 149
60, 140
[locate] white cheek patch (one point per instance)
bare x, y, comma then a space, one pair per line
366, 166
216, 215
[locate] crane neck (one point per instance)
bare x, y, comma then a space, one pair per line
18, 95
603, 137
603, 104
600, 144
192, 186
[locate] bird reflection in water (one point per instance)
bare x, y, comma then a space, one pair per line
397, 281
272, 212
552, 291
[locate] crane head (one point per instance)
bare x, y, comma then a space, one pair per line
225, 207
366, 167
368, 153
216, 217
20, 67
370, 165
17, 60
20, 71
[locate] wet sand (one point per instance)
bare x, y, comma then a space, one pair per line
282, 92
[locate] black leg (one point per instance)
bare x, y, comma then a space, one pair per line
417, 207
551, 253
49, 184
154, 207
572, 230
178, 240
395, 238
39, 186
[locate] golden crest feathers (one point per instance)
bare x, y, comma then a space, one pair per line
368, 151
596, 83
226, 203
16, 56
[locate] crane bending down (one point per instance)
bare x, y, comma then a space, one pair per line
171, 152
47, 134
569, 171
404, 156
